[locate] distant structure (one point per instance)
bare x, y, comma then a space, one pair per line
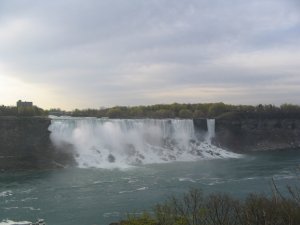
24, 104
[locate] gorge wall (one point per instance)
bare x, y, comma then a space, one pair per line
25, 144
254, 132
25, 141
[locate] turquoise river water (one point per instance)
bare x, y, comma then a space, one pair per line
90, 196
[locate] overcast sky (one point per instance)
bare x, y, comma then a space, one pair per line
91, 53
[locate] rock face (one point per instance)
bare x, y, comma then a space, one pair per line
25, 144
242, 134
25, 141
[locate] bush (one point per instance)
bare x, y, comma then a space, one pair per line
144, 219
221, 209
218, 109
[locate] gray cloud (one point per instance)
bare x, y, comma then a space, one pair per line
136, 52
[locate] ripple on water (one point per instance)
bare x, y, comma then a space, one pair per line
130, 191
29, 199
186, 179
111, 214
142, 189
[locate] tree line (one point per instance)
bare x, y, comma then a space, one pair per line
160, 111
186, 111
22, 111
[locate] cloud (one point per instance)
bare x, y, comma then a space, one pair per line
140, 52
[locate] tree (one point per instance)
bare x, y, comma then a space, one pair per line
198, 114
217, 109
163, 113
114, 113
185, 113
290, 108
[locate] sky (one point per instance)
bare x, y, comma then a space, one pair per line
94, 53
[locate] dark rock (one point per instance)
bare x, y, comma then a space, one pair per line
241, 134
200, 124
141, 156
25, 144
111, 158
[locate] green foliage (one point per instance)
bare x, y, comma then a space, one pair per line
218, 109
185, 211
185, 113
162, 113
115, 112
290, 108
8, 111
259, 209
30, 111
198, 114
201, 110
221, 209
136, 112
26, 111
144, 219
175, 110
22, 111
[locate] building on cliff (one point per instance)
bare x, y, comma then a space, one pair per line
24, 104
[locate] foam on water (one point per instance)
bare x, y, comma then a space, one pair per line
121, 143
6, 193
10, 222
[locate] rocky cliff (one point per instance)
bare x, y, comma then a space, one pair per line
25, 144
256, 132
25, 141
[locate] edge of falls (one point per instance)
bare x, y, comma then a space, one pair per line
111, 143
210, 129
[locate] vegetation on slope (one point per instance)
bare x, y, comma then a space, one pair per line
221, 209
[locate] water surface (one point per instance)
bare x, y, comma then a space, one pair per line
99, 196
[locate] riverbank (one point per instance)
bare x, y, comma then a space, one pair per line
218, 209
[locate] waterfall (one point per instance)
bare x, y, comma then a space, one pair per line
109, 143
210, 129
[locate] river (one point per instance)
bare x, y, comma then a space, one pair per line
99, 196
129, 166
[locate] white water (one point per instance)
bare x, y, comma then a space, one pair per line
111, 143
210, 130
10, 222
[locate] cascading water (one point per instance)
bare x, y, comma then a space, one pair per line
109, 143
210, 129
